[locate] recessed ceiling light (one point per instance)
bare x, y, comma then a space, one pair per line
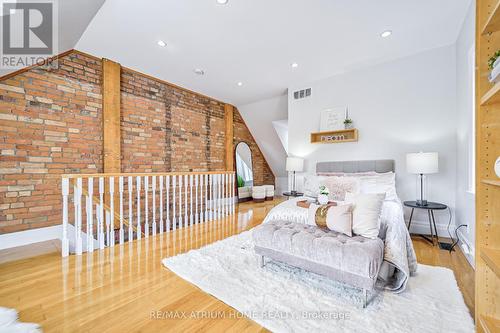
239, 84
199, 71
386, 33
294, 65
162, 43
222, 2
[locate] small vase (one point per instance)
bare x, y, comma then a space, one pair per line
323, 199
348, 126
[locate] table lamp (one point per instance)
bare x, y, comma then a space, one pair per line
294, 164
422, 164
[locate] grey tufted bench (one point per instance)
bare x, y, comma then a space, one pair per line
352, 260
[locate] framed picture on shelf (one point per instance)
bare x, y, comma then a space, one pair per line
332, 119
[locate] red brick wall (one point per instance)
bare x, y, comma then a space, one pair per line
51, 123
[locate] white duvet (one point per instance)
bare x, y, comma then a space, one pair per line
399, 256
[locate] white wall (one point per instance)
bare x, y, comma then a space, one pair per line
403, 106
259, 118
465, 135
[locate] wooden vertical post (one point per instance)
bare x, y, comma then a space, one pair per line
228, 117
111, 123
111, 115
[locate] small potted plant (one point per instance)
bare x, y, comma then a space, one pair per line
348, 123
323, 195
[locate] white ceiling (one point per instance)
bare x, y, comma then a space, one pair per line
255, 41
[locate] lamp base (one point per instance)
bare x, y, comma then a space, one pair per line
421, 202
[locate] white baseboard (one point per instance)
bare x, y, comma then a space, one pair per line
463, 241
421, 227
27, 237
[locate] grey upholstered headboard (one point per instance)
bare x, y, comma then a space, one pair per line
356, 166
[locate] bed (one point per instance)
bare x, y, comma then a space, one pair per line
399, 260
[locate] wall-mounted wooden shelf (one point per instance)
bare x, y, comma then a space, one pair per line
489, 324
492, 259
492, 96
340, 136
491, 182
493, 21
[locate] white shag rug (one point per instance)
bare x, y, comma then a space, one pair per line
9, 323
286, 299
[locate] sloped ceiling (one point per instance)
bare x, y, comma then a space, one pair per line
255, 41
74, 18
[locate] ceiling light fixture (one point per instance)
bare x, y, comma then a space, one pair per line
239, 84
386, 33
162, 43
222, 2
199, 71
294, 65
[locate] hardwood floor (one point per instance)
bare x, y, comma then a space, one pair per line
122, 289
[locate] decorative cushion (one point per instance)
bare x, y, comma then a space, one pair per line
380, 183
339, 186
366, 213
338, 218
312, 184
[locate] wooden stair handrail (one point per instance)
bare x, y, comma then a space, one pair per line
128, 174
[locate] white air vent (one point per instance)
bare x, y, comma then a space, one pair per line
299, 94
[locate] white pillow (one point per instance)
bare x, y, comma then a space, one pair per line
312, 184
380, 183
338, 218
366, 213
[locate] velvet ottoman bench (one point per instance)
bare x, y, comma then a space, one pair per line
354, 261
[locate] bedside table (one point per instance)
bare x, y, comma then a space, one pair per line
293, 195
430, 207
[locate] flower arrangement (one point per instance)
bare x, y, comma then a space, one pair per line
323, 195
324, 190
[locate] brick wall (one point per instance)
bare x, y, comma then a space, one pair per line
51, 123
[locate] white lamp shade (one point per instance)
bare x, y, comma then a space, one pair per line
294, 164
422, 163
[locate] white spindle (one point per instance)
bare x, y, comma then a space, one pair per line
160, 179
219, 195
206, 198
111, 224
196, 199
174, 216
201, 198
90, 215
101, 213
130, 212
138, 189
168, 202
77, 199
120, 189
154, 204
146, 206
191, 216
180, 201
233, 180
65, 239
224, 191
186, 221
211, 200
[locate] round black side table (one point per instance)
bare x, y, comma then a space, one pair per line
430, 207
292, 195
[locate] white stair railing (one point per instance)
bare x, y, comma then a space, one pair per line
163, 202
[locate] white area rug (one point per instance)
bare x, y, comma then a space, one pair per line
283, 299
9, 323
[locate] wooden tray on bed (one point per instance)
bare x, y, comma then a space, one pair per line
306, 204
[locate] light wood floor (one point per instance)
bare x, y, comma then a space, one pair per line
120, 289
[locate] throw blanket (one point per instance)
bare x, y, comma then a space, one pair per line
400, 260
